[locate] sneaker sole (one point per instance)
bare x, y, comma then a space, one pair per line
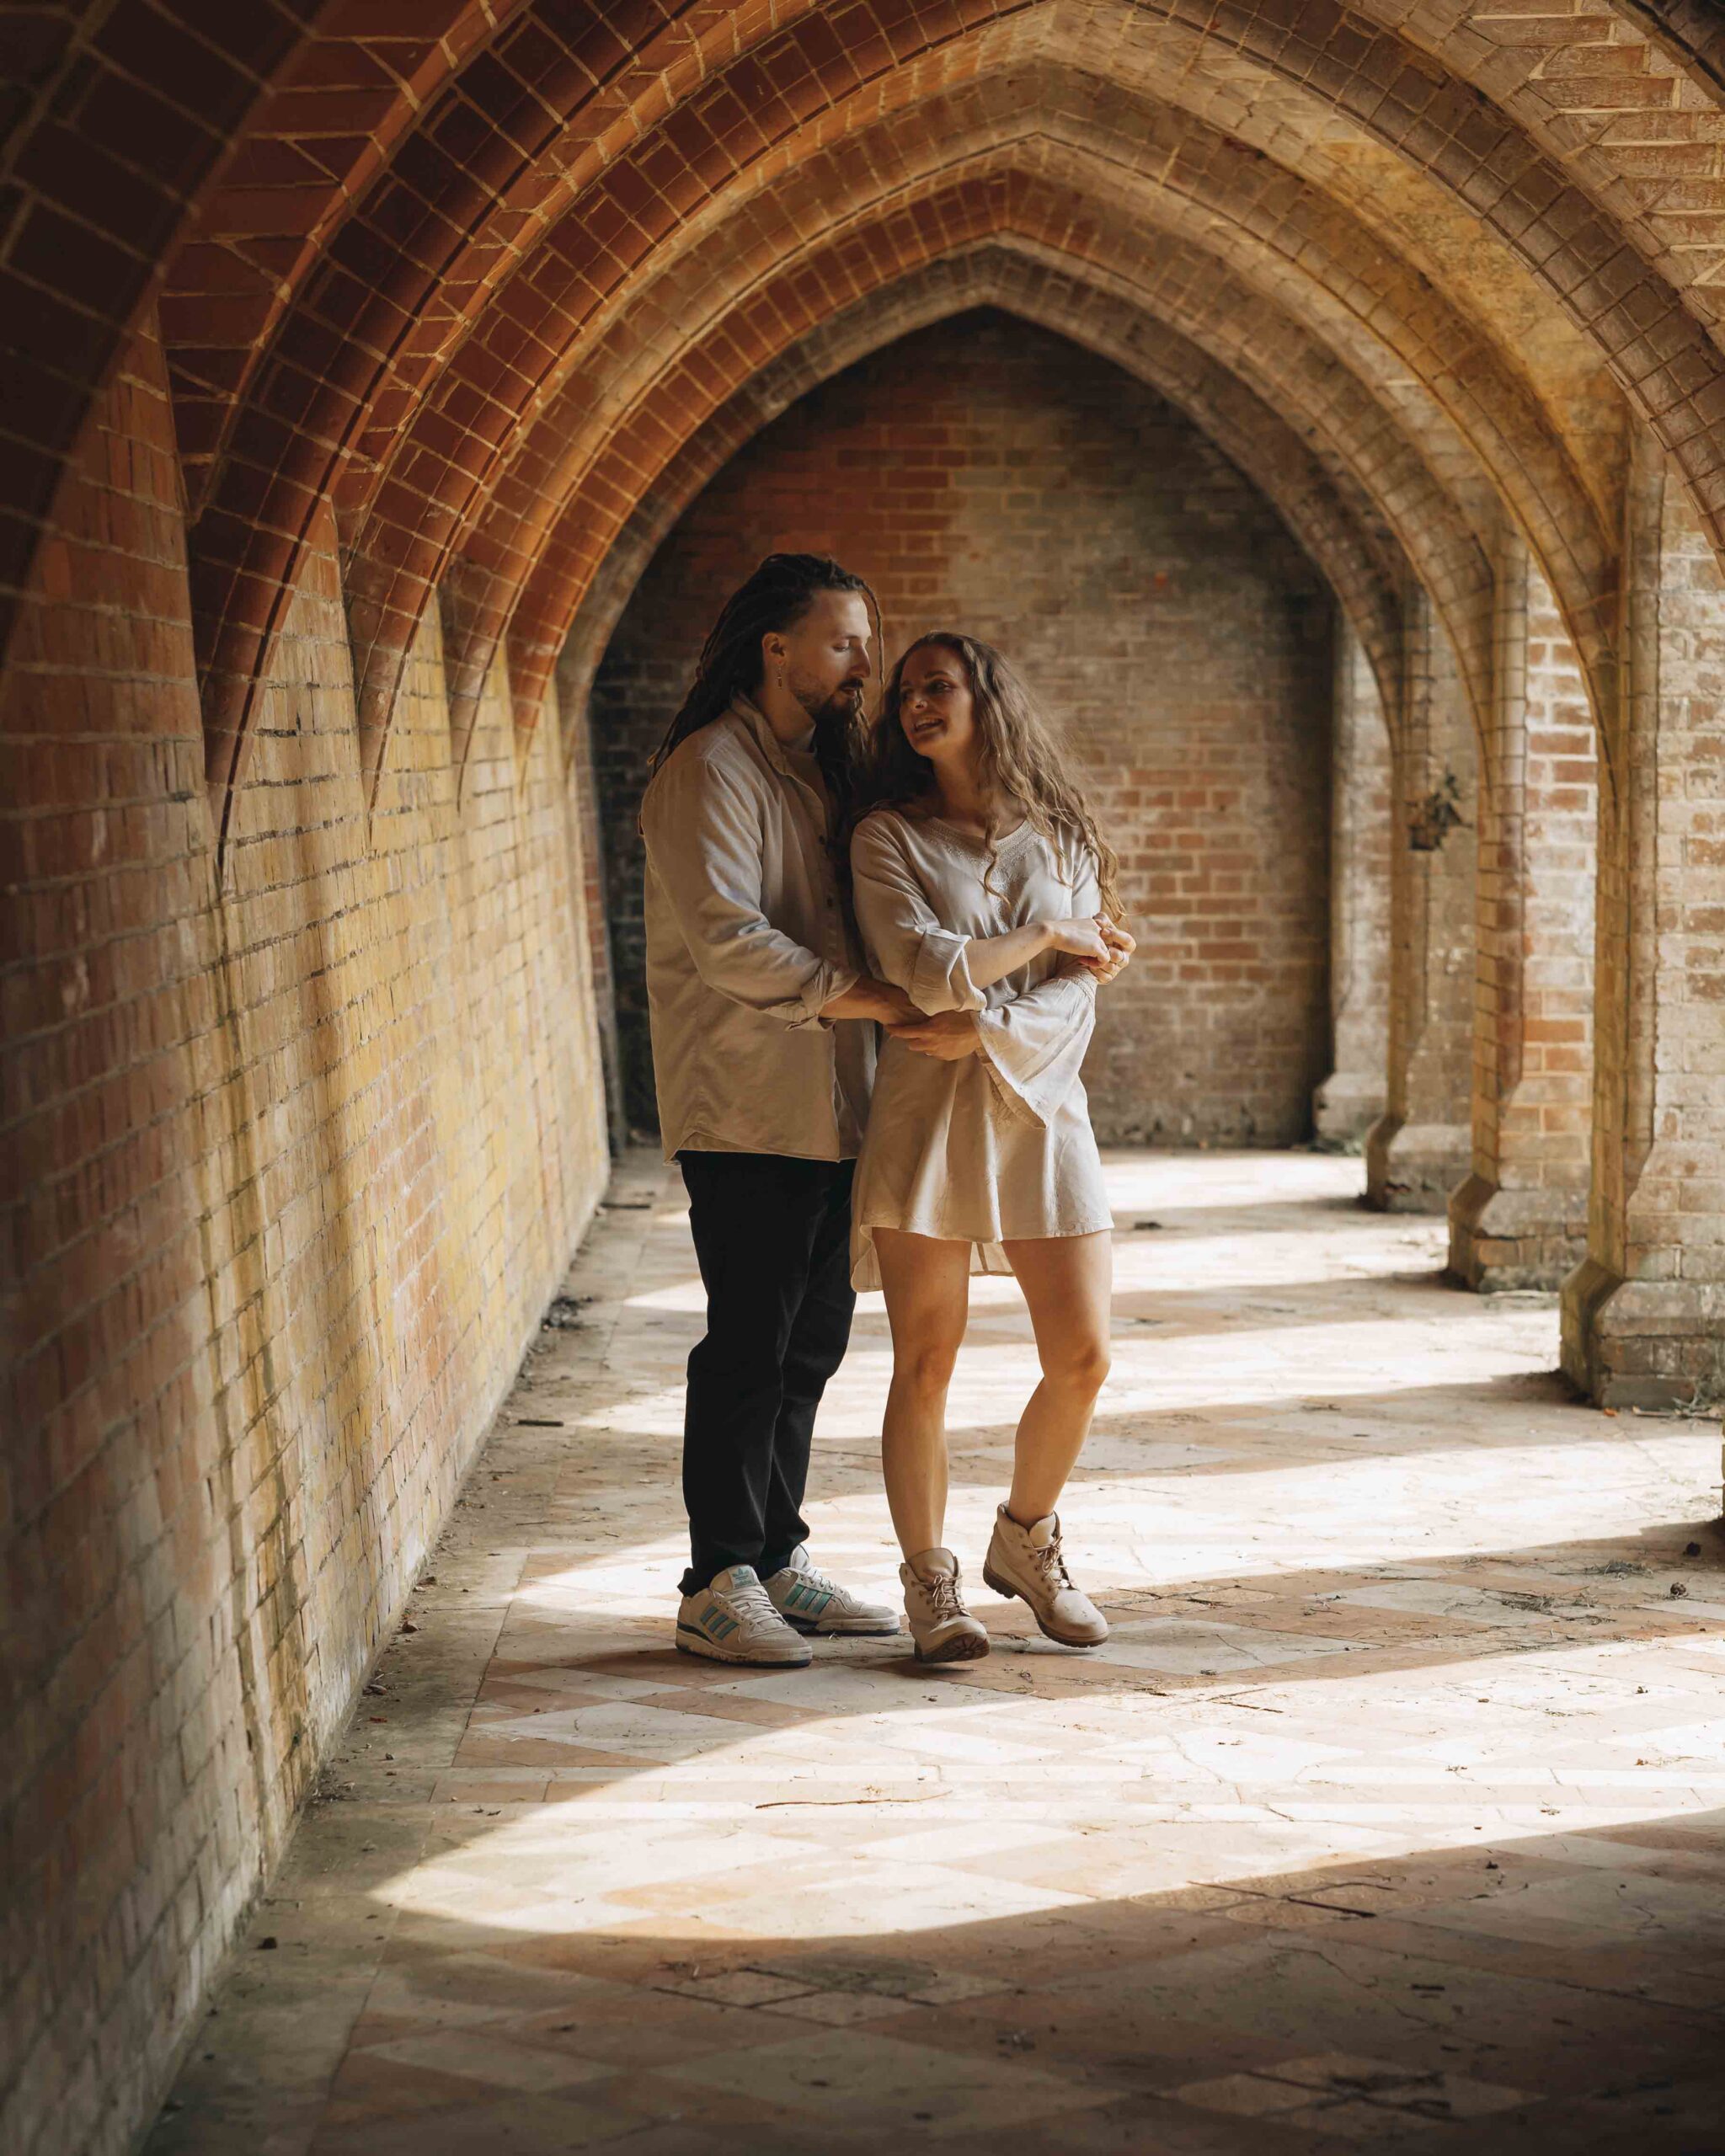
853, 1629
1018, 1594
689, 1642
963, 1647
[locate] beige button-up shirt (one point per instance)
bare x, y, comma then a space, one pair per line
746, 941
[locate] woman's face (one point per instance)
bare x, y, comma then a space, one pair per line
935, 705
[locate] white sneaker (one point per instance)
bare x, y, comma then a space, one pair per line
810, 1601
941, 1627
731, 1620
1027, 1561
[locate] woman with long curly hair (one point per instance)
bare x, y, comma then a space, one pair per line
983, 888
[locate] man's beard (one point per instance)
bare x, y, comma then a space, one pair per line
837, 713
838, 738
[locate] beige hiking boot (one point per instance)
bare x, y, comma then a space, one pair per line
941, 1627
1027, 1561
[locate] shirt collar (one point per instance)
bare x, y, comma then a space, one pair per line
745, 708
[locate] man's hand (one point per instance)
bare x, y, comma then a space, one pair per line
867, 998
949, 1037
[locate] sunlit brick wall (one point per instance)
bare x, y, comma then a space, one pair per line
293, 1166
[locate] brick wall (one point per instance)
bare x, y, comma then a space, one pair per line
989, 474
291, 1168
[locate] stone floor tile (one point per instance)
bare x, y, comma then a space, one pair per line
878, 2080
525, 2126
1365, 2125
1243, 2095
485, 2055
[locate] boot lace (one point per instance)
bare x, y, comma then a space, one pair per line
942, 1589
1050, 1561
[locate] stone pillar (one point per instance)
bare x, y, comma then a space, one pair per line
575, 749
1351, 1099
1644, 1313
1418, 1149
1519, 1221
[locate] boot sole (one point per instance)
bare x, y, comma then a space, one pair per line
963, 1647
1018, 1594
710, 1651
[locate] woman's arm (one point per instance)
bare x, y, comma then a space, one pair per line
1087, 939
939, 969
1078, 936
1034, 1046
905, 942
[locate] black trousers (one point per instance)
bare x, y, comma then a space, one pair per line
772, 1235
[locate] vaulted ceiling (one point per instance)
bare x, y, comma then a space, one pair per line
494, 284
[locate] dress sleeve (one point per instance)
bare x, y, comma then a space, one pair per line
906, 942
1034, 1046
703, 844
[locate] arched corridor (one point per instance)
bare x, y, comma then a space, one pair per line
1327, 405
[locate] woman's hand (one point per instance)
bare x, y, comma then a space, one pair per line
1121, 945
949, 1036
1102, 944
1081, 937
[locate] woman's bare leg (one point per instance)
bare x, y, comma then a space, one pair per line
1068, 1281
928, 1287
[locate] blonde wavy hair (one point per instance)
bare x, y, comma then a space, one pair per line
1021, 760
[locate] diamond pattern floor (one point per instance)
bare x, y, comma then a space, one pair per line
1391, 1818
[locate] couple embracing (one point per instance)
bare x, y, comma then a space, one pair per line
937, 884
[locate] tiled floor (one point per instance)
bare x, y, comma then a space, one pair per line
1391, 1818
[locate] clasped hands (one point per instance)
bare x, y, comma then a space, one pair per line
1092, 943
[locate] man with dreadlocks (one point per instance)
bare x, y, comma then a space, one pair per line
763, 1053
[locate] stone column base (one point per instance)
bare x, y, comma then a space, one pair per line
1412, 1168
1346, 1105
1644, 1343
1503, 1239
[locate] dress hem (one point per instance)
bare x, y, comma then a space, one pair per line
988, 1255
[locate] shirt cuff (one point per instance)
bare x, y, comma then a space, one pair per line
826, 983
940, 979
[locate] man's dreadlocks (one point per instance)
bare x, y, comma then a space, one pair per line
775, 598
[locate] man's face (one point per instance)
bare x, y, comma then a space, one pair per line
825, 659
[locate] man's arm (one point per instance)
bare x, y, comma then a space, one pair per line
868, 998
703, 843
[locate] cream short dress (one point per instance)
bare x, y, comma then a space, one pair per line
987, 1149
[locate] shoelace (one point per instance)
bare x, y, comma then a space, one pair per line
1051, 1562
753, 1601
943, 1592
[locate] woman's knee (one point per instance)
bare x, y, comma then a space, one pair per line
925, 1365
1078, 1366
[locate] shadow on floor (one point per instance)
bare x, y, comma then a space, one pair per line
1561, 1993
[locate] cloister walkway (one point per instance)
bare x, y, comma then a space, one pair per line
1392, 1817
